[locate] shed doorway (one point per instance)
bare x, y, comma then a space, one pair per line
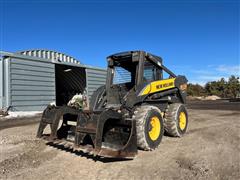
70, 80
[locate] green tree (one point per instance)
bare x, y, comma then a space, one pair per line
233, 87
224, 89
195, 90
217, 88
221, 88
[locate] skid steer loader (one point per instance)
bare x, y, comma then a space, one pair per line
132, 111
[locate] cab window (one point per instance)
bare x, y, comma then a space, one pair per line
150, 72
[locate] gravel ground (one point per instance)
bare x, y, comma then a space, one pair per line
209, 150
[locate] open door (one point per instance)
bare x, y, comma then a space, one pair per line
70, 80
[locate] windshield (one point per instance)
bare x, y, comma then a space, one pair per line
121, 75
124, 72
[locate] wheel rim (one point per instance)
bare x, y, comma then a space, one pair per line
182, 120
155, 129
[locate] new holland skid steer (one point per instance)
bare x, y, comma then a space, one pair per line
132, 111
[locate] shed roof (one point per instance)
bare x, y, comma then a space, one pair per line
49, 54
39, 57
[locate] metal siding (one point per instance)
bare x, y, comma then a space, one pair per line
32, 84
31, 103
95, 79
33, 93
1, 83
30, 78
31, 108
31, 67
6, 82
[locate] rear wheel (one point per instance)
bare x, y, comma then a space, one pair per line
149, 126
176, 120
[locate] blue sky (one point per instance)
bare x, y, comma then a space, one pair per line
199, 39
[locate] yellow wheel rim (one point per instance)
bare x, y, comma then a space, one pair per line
182, 120
155, 128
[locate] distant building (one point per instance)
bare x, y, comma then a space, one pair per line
30, 80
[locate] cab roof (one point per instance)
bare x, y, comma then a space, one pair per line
130, 54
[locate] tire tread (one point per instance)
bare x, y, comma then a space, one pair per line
170, 120
140, 116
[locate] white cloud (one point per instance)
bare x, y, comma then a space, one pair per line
202, 83
203, 79
212, 77
201, 71
213, 73
208, 73
231, 70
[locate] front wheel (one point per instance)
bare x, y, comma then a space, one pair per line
149, 124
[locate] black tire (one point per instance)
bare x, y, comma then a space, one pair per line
144, 116
94, 100
172, 124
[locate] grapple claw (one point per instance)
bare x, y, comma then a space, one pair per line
99, 135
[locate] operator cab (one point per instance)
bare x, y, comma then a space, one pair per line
128, 72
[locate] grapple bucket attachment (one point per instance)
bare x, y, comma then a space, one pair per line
103, 134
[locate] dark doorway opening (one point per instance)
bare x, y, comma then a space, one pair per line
70, 80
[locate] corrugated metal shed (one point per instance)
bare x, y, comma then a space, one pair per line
28, 78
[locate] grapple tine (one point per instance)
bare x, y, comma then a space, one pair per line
41, 128
51, 115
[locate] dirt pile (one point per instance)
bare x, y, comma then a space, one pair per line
212, 98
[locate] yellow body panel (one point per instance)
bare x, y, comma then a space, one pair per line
160, 85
